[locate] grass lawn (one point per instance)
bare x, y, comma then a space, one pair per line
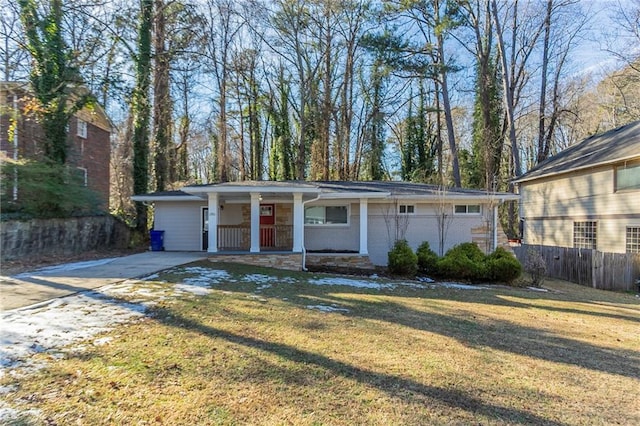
272, 347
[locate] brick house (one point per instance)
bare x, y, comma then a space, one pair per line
89, 135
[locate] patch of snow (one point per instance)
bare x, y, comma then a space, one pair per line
150, 277
102, 341
9, 415
325, 308
458, 286
350, 283
198, 289
259, 278
49, 328
542, 290
205, 277
7, 389
67, 267
374, 276
426, 280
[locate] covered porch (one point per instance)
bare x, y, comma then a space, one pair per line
264, 217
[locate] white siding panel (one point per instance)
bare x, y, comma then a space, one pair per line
181, 223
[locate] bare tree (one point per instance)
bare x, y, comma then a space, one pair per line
396, 222
444, 218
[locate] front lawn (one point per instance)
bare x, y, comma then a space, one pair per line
229, 344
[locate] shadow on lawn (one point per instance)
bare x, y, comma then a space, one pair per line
398, 387
500, 335
505, 336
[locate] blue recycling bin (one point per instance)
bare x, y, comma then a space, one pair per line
157, 240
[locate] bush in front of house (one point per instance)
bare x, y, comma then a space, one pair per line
502, 266
536, 267
463, 261
402, 259
427, 258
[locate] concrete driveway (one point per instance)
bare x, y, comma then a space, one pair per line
57, 281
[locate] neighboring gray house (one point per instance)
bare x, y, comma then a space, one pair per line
340, 221
587, 196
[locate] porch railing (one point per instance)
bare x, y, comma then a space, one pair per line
238, 237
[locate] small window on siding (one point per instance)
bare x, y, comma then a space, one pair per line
467, 209
82, 129
406, 209
628, 177
633, 239
82, 175
585, 235
326, 215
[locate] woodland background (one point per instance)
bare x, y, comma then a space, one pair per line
464, 93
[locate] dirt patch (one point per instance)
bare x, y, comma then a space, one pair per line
12, 267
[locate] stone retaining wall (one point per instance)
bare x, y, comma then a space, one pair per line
288, 261
344, 260
39, 238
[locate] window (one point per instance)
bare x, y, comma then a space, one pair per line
326, 215
82, 175
266, 210
467, 209
82, 129
628, 177
584, 235
633, 239
406, 209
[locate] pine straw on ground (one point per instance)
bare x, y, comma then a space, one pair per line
250, 353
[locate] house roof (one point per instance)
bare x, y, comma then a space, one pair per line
93, 114
327, 190
615, 146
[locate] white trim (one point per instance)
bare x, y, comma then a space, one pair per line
479, 213
364, 227
212, 203
325, 225
255, 222
85, 175
153, 198
298, 222
406, 207
81, 128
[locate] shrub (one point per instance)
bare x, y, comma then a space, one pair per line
402, 260
464, 261
46, 190
536, 267
503, 266
427, 258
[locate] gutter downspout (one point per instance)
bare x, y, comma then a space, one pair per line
304, 250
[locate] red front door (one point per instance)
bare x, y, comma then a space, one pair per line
267, 222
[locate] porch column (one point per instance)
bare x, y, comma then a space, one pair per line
495, 227
255, 222
213, 222
298, 222
364, 226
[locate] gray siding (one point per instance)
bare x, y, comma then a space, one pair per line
181, 223
421, 226
335, 237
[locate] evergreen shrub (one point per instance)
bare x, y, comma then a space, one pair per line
502, 266
427, 258
402, 260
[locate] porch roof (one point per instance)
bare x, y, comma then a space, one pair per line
328, 190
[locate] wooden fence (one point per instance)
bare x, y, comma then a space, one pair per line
605, 271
